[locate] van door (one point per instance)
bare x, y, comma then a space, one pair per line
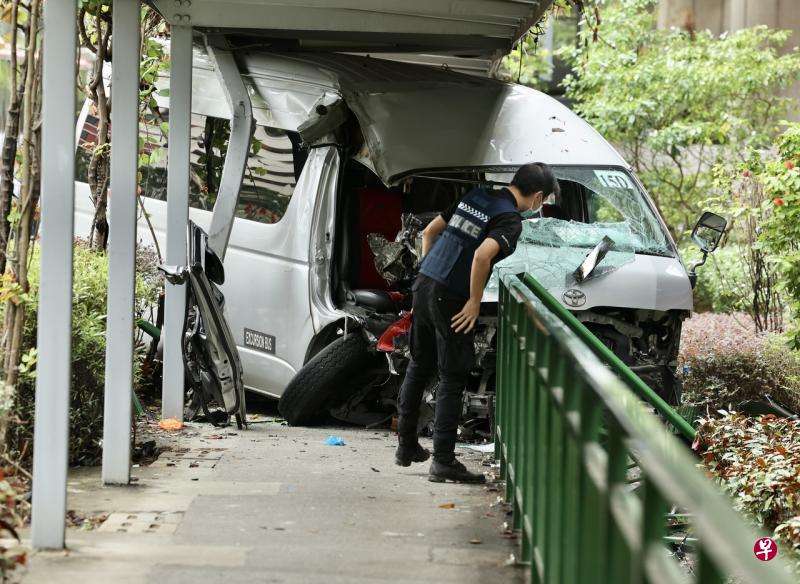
268, 259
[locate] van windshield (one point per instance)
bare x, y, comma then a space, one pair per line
593, 203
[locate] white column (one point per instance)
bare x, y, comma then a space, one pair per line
180, 119
122, 243
54, 339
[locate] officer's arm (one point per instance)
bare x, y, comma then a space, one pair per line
465, 320
431, 232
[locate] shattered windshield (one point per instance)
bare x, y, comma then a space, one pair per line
593, 204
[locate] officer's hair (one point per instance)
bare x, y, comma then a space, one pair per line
535, 177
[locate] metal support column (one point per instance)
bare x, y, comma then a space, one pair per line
54, 341
122, 243
180, 120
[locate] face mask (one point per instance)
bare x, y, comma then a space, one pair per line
531, 213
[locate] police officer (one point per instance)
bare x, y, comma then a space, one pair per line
473, 234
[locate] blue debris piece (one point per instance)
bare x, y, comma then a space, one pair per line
334, 441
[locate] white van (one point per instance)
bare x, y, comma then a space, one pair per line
298, 243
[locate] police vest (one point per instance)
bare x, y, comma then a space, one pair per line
449, 261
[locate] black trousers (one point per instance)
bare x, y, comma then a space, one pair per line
435, 347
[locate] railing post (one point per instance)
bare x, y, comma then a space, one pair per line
557, 420
501, 379
619, 562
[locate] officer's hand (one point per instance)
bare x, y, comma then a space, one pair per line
464, 321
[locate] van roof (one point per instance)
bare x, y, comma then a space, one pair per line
414, 117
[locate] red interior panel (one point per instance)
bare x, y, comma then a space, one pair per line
379, 212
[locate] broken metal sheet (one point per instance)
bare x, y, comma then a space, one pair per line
397, 260
461, 122
417, 117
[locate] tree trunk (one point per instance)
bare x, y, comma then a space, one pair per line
15, 313
9, 150
99, 165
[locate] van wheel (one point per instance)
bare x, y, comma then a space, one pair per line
324, 381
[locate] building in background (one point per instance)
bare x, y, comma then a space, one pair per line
720, 16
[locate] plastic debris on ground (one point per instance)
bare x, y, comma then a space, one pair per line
334, 441
170, 424
484, 448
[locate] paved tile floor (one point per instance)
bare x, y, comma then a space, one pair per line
275, 504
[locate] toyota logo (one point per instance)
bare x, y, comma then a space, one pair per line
574, 298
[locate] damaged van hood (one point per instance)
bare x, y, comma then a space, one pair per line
416, 117
641, 282
462, 125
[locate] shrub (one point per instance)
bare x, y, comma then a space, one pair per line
725, 364
11, 554
757, 461
780, 231
722, 284
90, 286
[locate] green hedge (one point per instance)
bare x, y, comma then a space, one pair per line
90, 287
722, 283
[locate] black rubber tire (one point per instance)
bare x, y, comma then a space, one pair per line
323, 381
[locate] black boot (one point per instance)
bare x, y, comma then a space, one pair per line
406, 454
453, 471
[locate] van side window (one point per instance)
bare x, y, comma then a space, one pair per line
273, 167
275, 162
269, 177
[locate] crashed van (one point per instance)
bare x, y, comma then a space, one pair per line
342, 146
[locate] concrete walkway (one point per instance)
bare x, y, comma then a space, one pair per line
274, 504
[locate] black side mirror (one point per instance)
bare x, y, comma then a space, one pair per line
708, 231
706, 234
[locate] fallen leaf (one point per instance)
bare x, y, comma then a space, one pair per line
447, 506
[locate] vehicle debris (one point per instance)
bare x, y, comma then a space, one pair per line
170, 424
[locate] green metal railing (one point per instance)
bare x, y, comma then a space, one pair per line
592, 505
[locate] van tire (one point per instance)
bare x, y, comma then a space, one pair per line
322, 382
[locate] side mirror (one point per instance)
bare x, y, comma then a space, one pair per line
708, 231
